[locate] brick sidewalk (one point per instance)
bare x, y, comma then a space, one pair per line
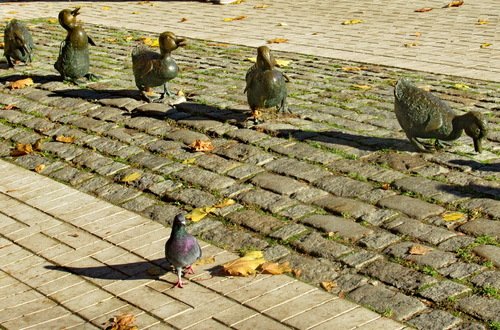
444, 40
69, 260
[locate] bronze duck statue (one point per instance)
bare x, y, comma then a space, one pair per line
423, 115
265, 86
18, 43
73, 60
152, 69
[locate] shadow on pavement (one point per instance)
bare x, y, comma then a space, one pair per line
477, 166
37, 79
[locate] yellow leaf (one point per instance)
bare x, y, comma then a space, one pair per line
277, 41
418, 34
237, 18
461, 86
128, 38
200, 145
275, 268
105, 8
135, 13
226, 202
419, 250
131, 177
22, 149
150, 42
39, 168
110, 40
189, 161
245, 265
38, 145
251, 59
282, 24
12, 12
482, 21
453, 216
205, 261
328, 285
2, 45
65, 139
352, 68
485, 45
411, 44
199, 213
352, 22
363, 87
52, 20
260, 6
19, 84
455, 3
282, 63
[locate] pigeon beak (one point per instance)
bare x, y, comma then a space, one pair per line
75, 12
477, 145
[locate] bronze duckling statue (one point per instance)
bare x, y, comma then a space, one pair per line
265, 86
18, 43
152, 69
73, 60
423, 115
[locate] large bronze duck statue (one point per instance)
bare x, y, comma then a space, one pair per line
423, 115
265, 86
73, 60
152, 69
18, 43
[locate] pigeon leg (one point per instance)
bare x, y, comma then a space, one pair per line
189, 269
179, 279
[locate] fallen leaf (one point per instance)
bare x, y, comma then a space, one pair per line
150, 42
341, 294
189, 161
10, 107
423, 10
362, 87
200, 145
135, 13
2, 45
131, 177
282, 24
12, 12
105, 8
73, 235
225, 202
237, 18
128, 38
19, 84
205, 261
419, 250
121, 322
461, 86
411, 44
110, 40
246, 265
455, 3
282, 63
199, 213
182, 20
275, 268
216, 44
22, 149
386, 186
328, 285
260, 6
65, 139
352, 22
482, 21
39, 168
38, 145
297, 272
485, 45
52, 20
453, 216
418, 34
277, 41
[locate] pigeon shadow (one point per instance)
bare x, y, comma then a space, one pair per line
477, 166
330, 139
128, 271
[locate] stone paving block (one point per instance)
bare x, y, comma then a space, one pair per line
460, 270
266, 200
316, 245
481, 227
489, 252
489, 206
341, 205
256, 221
343, 186
102, 308
297, 211
433, 258
259, 288
310, 318
350, 319
39, 318
382, 324
360, 259
455, 243
204, 178
195, 316
288, 231
280, 296
382, 300
487, 279
280, 184
379, 240
232, 315
435, 320
412, 207
345, 228
170, 310
259, 321
195, 197
444, 290
483, 308
419, 230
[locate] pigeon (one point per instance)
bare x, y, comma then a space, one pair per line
181, 249
265, 86
152, 69
73, 60
423, 115
18, 43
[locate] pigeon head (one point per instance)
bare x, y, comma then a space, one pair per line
179, 222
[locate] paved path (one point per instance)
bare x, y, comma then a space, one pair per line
69, 260
444, 41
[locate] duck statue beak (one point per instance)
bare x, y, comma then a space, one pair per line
75, 12
181, 42
477, 145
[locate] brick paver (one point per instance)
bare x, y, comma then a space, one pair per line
82, 290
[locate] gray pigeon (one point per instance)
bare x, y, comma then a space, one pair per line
181, 249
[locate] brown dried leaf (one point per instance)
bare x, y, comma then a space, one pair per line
297, 272
411, 44
275, 268
19, 84
455, 3
277, 41
65, 139
237, 18
419, 250
423, 10
121, 322
2, 45
482, 21
39, 168
200, 145
38, 145
246, 265
182, 20
386, 186
205, 261
22, 149
10, 107
328, 285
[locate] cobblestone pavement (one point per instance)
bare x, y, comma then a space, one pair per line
70, 260
334, 188
444, 40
